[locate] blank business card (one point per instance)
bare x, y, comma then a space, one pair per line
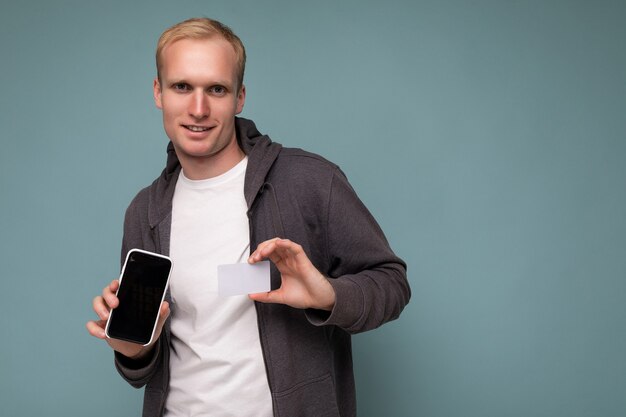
244, 278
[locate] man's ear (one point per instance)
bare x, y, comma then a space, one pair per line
156, 87
241, 99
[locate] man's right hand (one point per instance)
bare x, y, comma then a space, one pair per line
103, 304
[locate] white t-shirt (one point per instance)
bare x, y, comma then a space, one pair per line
216, 362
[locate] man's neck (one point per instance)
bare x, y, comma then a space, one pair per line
209, 167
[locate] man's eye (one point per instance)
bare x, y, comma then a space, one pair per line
181, 87
218, 90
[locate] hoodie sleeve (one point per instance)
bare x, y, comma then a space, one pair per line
137, 373
369, 280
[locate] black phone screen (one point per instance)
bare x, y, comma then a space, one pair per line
143, 283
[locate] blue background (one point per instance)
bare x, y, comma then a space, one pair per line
487, 137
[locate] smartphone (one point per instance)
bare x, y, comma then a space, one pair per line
143, 282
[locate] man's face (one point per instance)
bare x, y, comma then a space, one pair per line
199, 99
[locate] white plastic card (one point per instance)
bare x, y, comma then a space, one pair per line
244, 278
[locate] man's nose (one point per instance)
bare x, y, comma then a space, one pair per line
199, 106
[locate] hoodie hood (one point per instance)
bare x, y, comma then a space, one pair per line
261, 152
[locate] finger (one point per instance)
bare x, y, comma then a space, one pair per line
289, 248
100, 307
164, 313
114, 285
260, 253
96, 329
283, 251
288, 244
295, 252
272, 253
281, 248
109, 296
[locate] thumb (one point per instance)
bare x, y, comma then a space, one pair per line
266, 297
164, 313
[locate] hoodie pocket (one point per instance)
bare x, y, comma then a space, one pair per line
313, 398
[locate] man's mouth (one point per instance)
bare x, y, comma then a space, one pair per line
195, 128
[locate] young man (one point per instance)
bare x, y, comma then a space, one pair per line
227, 191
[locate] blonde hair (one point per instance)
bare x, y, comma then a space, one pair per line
203, 28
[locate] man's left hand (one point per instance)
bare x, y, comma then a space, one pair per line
303, 286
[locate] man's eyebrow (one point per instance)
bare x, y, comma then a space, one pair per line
223, 83
211, 83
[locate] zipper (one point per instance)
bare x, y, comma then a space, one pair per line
278, 229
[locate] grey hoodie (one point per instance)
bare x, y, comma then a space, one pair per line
300, 196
